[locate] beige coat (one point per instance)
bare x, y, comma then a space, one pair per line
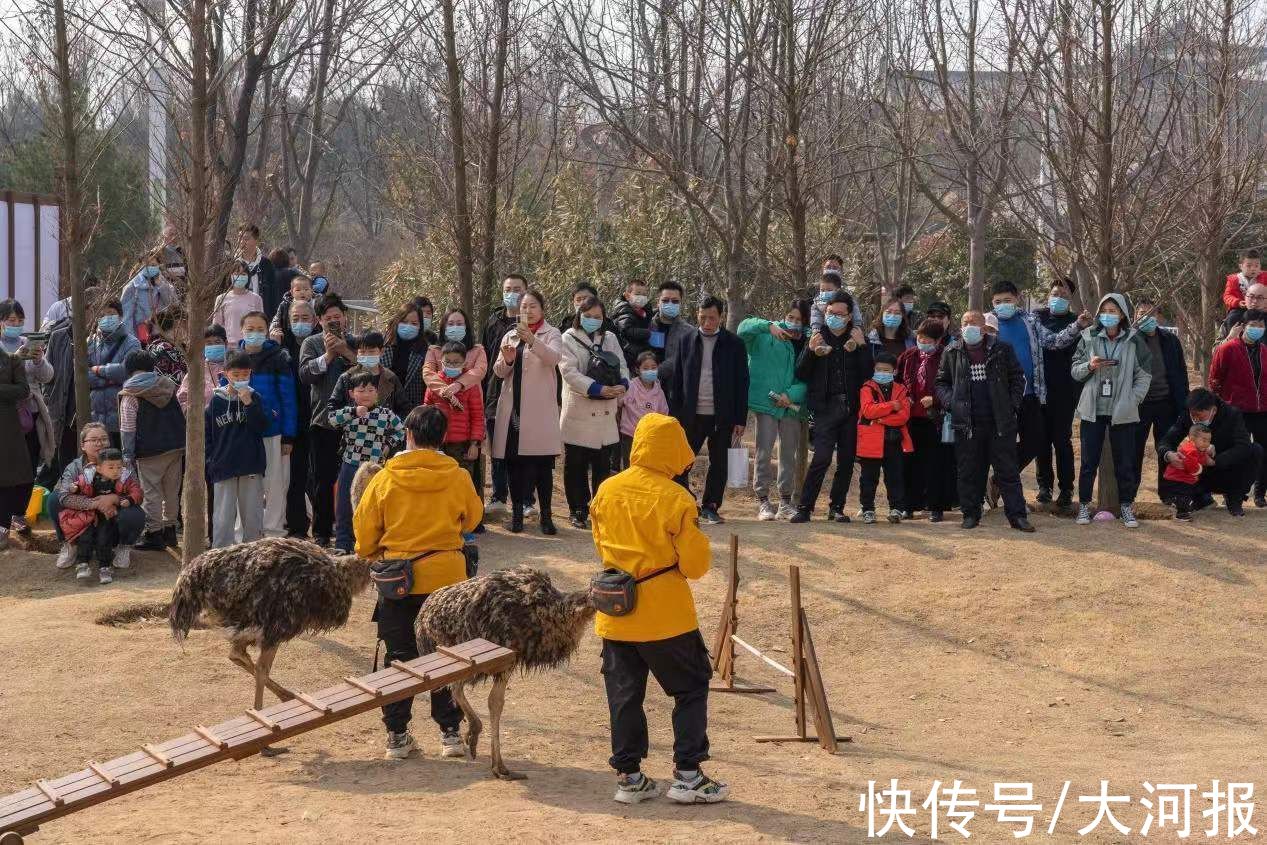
587, 422
539, 414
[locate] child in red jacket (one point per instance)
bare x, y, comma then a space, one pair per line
1238, 283
1180, 485
464, 410
95, 533
884, 410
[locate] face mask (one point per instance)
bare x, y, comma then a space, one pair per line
835, 322
12, 332
1254, 333
591, 324
426, 323
1148, 325
794, 328
908, 307
971, 335
670, 309
926, 347
882, 378
891, 321
452, 372
301, 329
241, 385
253, 339
214, 352
151, 271
319, 284
370, 361
239, 282
707, 333
406, 331
510, 299
825, 295
1110, 321
1005, 310
649, 376
1058, 305
638, 300
454, 333
108, 323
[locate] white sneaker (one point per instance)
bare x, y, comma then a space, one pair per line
1084, 515
105, 575
628, 792
895, 515
399, 745
451, 744
702, 790
66, 557
530, 511
868, 517
786, 511
123, 557
496, 506
83, 572
1128, 516
766, 511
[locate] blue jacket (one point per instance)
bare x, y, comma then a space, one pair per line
234, 436
274, 381
108, 353
141, 299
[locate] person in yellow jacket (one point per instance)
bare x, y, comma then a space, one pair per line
421, 502
645, 522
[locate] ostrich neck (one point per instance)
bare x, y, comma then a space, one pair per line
358, 571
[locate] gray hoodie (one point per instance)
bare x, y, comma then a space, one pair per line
1130, 378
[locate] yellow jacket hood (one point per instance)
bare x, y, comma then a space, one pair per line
659, 445
423, 471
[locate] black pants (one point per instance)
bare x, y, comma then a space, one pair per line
13, 502
682, 668
1257, 425
1058, 440
835, 433
583, 470
1157, 417
98, 541
297, 494
1122, 437
527, 474
67, 451
894, 483
1031, 431
704, 428
929, 471
1180, 493
395, 618
976, 451
326, 462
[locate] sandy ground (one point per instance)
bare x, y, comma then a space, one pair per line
1076, 654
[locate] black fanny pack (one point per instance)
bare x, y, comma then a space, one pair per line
395, 578
615, 592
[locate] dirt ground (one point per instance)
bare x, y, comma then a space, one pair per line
1074, 654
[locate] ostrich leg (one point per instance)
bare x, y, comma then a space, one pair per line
473, 724
496, 701
239, 657
262, 667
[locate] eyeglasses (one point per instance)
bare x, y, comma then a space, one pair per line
96, 440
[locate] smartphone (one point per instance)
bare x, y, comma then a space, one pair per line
336, 331
1111, 361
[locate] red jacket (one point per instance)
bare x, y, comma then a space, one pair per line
908, 367
74, 522
876, 414
465, 424
1232, 377
1233, 296
1193, 463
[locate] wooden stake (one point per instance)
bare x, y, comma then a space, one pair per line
798, 654
724, 642
822, 712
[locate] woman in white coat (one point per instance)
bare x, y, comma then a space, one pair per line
591, 434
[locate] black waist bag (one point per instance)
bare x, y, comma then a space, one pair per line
395, 578
615, 592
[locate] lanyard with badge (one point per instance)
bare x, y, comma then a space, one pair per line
1106, 381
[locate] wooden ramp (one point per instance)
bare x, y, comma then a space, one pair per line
23, 812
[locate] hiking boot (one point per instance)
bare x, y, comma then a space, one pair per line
66, 556
970, 520
766, 511
451, 743
399, 745
1128, 516
151, 541
868, 517
105, 575
1044, 495
83, 571
1022, 524
936, 516
837, 515
786, 511
709, 516
1084, 514
897, 515
636, 788
700, 790
173, 542
801, 515
123, 557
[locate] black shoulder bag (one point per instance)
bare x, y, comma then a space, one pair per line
602, 366
395, 578
615, 592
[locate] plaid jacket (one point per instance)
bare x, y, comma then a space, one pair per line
369, 438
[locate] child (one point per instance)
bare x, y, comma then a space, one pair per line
1180, 485
273, 381
235, 424
152, 426
883, 437
1238, 284
300, 291
464, 411
371, 432
214, 349
369, 354
95, 532
644, 396
236, 302
317, 272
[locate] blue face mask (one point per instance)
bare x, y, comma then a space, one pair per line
825, 295
1058, 305
882, 378
151, 271
926, 347
971, 335
239, 282
213, 352
670, 309
370, 361
1110, 321
1254, 333
452, 372
1148, 325
649, 376
510, 299
1005, 310
301, 329
319, 284
591, 324
908, 307
406, 331
12, 332
241, 385
835, 322
253, 339
426, 323
455, 333
108, 323
891, 321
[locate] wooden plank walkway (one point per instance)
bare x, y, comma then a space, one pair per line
23, 812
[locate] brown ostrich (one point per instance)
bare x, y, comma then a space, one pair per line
267, 592
517, 608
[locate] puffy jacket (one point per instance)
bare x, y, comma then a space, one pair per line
273, 380
587, 419
1232, 376
422, 501
466, 424
876, 414
1236, 287
633, 330
771, 369
1193, 463
644, 521
73, 522
142, 299
730, 378
108, 352
839, 366
1004, 376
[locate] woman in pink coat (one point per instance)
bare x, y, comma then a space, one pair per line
527, 436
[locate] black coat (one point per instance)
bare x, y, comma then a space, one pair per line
1004, 376
632, 330
815, 371
730, 379
1228, 436
1176, 367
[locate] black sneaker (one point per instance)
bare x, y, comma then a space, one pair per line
151, 541
1183, 514
970, 521
801, 515
936, 516
323, 542
547, 525
1235, 508
837, 515
1022, 524
1044, 495
710, 516
1065, 499
169, 537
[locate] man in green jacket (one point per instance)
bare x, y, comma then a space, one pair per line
777, 399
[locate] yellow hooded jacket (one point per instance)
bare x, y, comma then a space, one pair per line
421, 501
644, 521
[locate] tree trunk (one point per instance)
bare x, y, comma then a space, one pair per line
461, 212
304, 240
1106, 489
492, 157
976, 261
